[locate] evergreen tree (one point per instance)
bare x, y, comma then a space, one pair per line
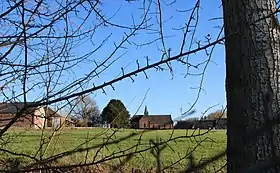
116, 114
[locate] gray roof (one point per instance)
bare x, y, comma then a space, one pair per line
13, 108
51, 113
136, 118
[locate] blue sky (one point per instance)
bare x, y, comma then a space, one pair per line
167, 96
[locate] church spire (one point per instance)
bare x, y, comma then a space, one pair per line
146, 113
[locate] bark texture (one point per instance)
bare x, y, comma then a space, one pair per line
252, 84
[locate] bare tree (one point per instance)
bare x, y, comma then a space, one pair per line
220, 113
44, 44
87, 110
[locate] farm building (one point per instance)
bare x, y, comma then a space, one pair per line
202, 124
151, 122
32, 117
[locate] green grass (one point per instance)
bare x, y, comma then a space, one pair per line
28, 142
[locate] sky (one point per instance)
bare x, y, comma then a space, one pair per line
164, 94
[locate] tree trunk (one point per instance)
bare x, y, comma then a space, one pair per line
252, 84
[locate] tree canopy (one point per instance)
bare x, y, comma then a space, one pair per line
116, 114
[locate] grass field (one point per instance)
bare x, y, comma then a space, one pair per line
29, 142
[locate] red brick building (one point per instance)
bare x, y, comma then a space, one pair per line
152, 122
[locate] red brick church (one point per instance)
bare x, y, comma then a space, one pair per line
151, 122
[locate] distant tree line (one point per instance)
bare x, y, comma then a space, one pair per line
116, 115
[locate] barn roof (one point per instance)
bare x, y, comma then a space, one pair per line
13, 108
51, 112
136, 118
